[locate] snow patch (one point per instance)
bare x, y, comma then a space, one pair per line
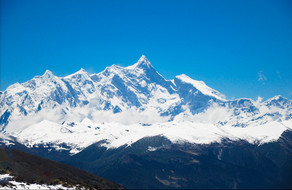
12, 184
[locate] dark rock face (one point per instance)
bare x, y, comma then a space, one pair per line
29, 168
4, 118
155, 162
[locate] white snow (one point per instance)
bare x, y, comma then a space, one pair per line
82, 134
5, 177
201, 86
12, 184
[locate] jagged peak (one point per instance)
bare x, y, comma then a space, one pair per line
115, 66
277, 98
143, 58
48, 73
82, 72
143, 63
112, 68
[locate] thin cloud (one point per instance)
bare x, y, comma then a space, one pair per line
262, 78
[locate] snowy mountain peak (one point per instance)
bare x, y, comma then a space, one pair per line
77, 74
143, 63
81, 71
48, 73
278, 97
279, 101
115, 66
143, 58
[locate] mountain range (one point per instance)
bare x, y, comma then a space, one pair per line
100, 118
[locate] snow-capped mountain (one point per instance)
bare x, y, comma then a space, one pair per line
124, 104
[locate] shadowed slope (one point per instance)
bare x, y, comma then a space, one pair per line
33, 169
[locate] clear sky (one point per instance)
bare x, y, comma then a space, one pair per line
241, 48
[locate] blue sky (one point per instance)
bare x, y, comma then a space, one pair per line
241, 48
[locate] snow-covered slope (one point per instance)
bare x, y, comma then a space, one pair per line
79, 135
123, 104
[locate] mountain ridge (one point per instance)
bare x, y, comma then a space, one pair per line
137, 92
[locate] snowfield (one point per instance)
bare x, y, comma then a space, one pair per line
79, 135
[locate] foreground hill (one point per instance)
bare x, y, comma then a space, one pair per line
28, 168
